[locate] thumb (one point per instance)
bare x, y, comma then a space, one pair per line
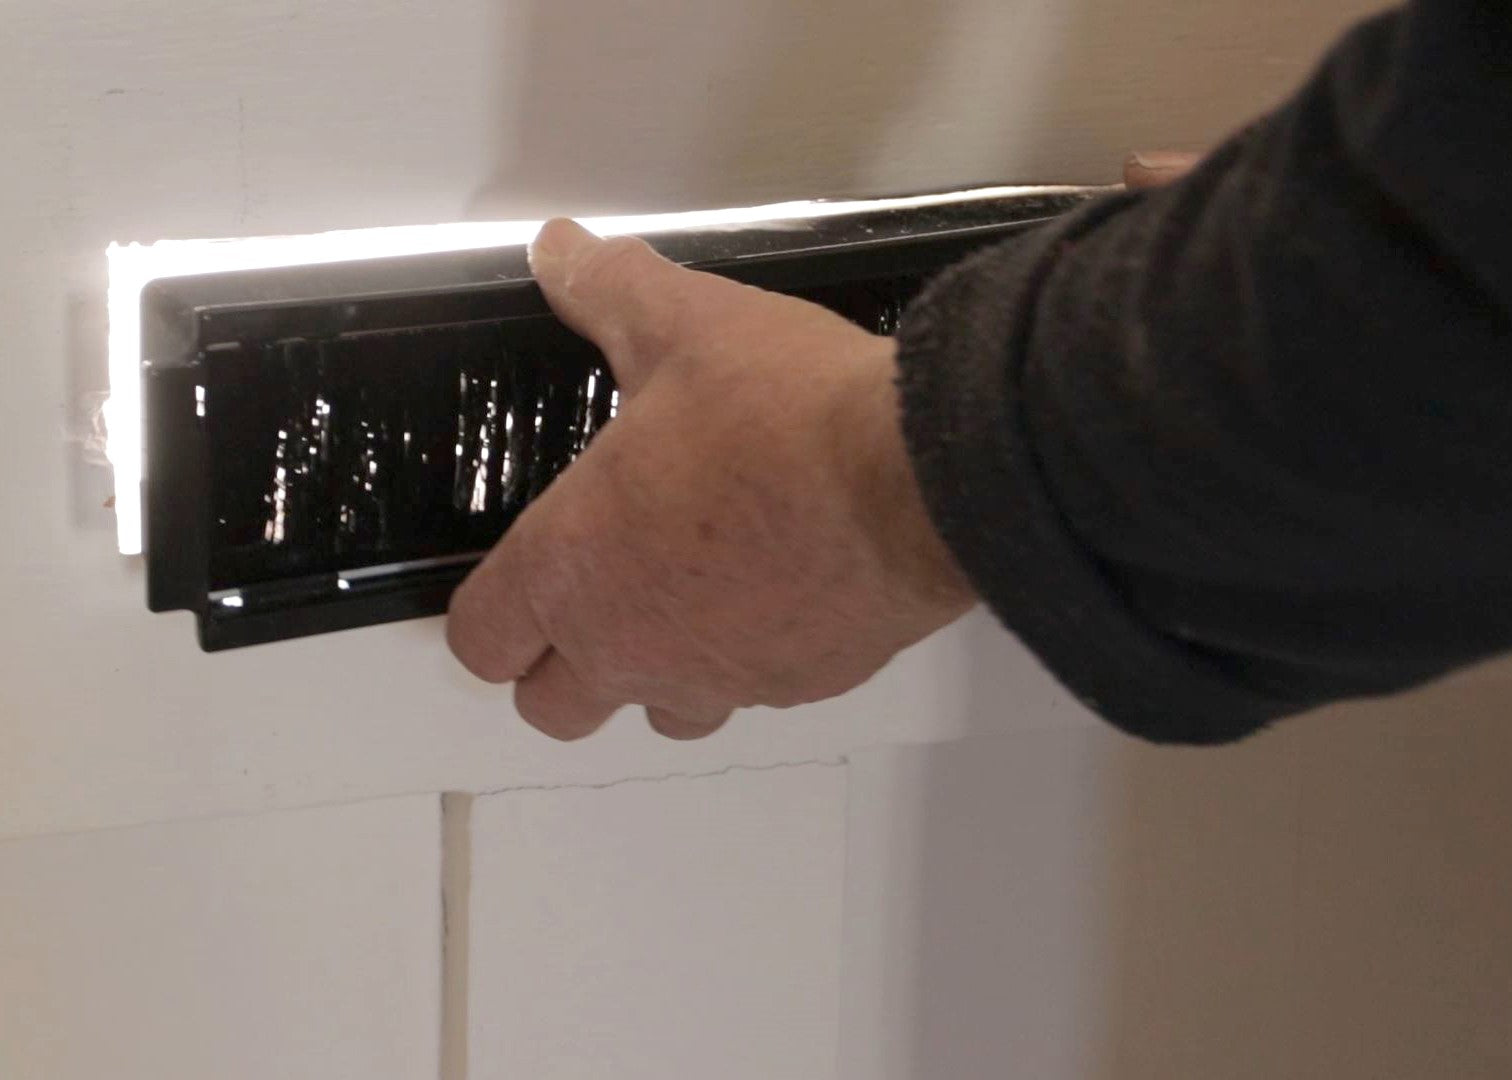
618, 293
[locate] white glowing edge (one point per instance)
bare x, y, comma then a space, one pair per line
133, 265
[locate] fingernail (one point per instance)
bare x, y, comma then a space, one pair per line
1160, 160
560, 240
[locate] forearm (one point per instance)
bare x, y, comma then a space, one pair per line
1180, 441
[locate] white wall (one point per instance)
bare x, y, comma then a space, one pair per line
675, 928
300, 945
1330, 900
1025, 901
160, 118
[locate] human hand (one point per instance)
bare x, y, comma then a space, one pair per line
747, 531
1151, 169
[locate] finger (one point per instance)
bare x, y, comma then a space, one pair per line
617, 293
490, 625
1155, 168
685, 726
552, 699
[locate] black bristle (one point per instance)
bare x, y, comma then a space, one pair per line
391, 447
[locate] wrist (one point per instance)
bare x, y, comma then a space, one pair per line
879, 479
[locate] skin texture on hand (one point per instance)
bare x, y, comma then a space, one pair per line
747, 531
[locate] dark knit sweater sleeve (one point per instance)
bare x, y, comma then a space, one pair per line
1227, 450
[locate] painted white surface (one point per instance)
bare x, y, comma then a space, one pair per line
1330, 900
301, 945
1403, 958
679, 928
160, 119
976, 934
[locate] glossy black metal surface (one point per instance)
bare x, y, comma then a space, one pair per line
333, 455
335, 446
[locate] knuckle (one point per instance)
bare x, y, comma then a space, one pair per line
649, 315
614, 266
602, 667
528, 703
538, 708
473, 637
553, 589
688, 726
